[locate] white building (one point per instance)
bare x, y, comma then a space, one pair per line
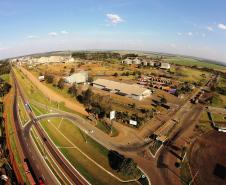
165, 66
123, 89
81, 77
41, 78
127, 61
137, 61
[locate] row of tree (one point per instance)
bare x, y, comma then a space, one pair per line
96, 55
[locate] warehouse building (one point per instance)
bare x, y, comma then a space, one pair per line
78, 78
123, 89
165, 66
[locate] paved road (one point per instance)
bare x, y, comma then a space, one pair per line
41, 168
37, 162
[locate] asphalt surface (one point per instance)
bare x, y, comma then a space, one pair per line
38, 165
35, 159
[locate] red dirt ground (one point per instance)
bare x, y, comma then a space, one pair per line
207, 151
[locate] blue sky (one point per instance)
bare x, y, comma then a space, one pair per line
194, 27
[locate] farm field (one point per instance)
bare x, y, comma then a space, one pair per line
79, 149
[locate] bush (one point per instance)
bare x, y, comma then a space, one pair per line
49, 78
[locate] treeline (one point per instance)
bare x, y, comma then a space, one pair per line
5, 67
96, 55
4, 86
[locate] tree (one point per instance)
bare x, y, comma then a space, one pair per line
72, 71
49, 78
115, 74
73, 90
163, 100
87, 96
125, 165
90, 79
61, 83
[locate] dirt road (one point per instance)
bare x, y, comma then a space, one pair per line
53, 95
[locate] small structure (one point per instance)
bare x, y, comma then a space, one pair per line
127, 61
165, 66
162, 138
81, 77
137, 61
41, 78
132, 91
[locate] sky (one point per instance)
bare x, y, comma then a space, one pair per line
194, 27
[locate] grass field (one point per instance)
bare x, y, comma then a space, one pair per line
191, 75
5, 77
218, 117
193, 62
76, 138
204, 124
83, 152
219, 100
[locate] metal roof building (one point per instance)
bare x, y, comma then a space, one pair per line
81, 77
132, 91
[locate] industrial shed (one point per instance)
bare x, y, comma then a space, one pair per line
81, 77
123, 89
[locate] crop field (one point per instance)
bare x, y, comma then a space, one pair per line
84, 154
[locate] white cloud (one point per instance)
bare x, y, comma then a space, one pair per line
114, 18
64, 32
222, 26
209, 28
190, 33
32, 37
53, 34
179, 33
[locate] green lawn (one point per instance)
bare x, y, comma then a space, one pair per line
76, 138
